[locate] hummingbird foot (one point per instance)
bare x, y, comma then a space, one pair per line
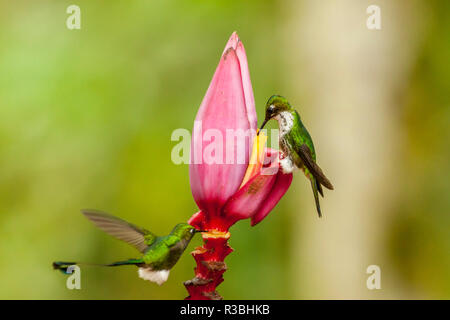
157, 276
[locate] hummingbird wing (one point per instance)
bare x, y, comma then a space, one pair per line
138, 237
304, 152
171, 240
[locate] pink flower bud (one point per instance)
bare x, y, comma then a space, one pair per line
229, 188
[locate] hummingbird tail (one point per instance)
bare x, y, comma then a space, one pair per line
314, 185
319, 188
136, 262
64, 266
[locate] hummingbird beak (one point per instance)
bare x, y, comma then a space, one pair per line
197, 231
262, 126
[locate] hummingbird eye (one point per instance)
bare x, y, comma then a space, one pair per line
271, 110
192, 231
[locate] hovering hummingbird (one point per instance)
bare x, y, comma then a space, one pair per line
296, 144
160, 254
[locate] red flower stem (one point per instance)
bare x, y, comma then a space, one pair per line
210, 259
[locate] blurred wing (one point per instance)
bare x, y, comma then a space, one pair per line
140, 238
305, 154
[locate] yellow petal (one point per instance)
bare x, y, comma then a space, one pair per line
216, 234
256, 158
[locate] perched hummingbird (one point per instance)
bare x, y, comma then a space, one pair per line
296, 144
160, 254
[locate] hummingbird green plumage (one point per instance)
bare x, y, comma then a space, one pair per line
160, 254
296, 145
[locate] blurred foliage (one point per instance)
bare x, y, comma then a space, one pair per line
86, 121
86, 118
419, 241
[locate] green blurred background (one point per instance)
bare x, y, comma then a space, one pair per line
86, 118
